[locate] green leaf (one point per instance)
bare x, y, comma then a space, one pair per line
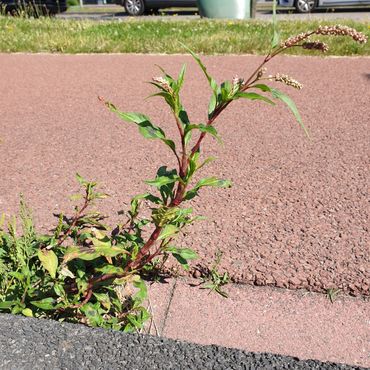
85, 254
213, 181
168, 231
277, 94
207, 160
187, 137
201, 65
110, 269
146, 128
66, 272
108, 250
27, 312
212, 105
183, 115
186, 253
262, 87
209, 181
252, 96
226, 88
180, 79
142, 292
135, 201
7, 305
103, 298
81, 180
162, 180
291, 105
49, 261
44, 304
209, 129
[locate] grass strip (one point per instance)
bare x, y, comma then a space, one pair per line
161, 36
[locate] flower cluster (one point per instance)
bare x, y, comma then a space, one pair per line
237, 84
261, 72
287, 81
315, 45
163, 83
339, 30
291, 41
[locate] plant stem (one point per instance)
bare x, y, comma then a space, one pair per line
75, 219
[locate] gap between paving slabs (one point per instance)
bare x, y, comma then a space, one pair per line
263, 319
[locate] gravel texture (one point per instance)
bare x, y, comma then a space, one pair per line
41, 344
298, 213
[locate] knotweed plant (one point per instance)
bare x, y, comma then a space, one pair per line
85, 272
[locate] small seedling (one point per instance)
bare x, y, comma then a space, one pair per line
332, 294
214, 280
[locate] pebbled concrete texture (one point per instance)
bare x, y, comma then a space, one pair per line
28, 344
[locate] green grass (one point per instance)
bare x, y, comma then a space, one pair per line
96, 9
159, 36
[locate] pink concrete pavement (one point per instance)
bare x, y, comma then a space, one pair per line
262, 319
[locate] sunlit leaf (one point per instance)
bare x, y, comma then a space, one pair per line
291, 105
252, 96
27, 312
185, 253
162, 180
44, 304
168, 231
49, 261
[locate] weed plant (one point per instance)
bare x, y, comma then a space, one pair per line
87, 273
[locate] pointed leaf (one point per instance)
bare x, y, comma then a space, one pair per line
207, 129
252, 96
49, 261
185, 253
44, 304
291, 105
162, 180
180, 79
143, 292
27, 312
168, 231
213, 181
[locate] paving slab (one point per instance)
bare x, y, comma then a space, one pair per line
298, 213
301, 324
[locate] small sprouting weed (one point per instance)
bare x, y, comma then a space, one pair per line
214, 280
332, 294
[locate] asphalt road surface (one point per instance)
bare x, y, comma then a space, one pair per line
43, 344
359, 14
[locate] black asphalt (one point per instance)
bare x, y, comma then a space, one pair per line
27, 344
